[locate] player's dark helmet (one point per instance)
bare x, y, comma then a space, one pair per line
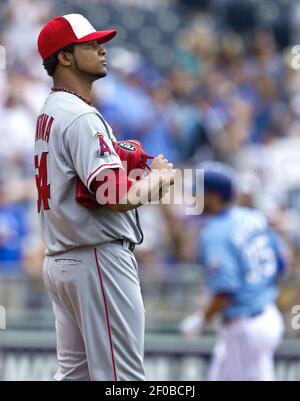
219, 178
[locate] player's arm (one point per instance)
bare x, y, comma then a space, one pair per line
281, 253
223, 281
89, 150
195, 323
119, 192
217, 304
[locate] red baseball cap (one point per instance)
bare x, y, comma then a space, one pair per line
71, 28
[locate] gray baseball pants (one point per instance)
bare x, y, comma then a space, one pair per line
99, 313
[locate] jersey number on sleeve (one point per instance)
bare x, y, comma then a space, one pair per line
41, 181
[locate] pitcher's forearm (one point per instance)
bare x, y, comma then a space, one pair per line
150, 188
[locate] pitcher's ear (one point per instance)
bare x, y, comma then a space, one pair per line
65, 58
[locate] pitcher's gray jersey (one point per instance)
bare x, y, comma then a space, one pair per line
67, 145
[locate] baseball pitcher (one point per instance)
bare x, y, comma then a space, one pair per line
87, 204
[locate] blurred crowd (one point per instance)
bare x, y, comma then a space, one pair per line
220, 95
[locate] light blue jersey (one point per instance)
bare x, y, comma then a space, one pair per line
242, 256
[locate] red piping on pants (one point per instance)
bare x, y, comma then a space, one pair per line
107, 317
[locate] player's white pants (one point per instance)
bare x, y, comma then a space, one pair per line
99, 313
245, 348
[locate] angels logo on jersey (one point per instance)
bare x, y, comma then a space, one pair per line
104, 149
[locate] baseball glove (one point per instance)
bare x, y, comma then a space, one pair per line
133, 157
